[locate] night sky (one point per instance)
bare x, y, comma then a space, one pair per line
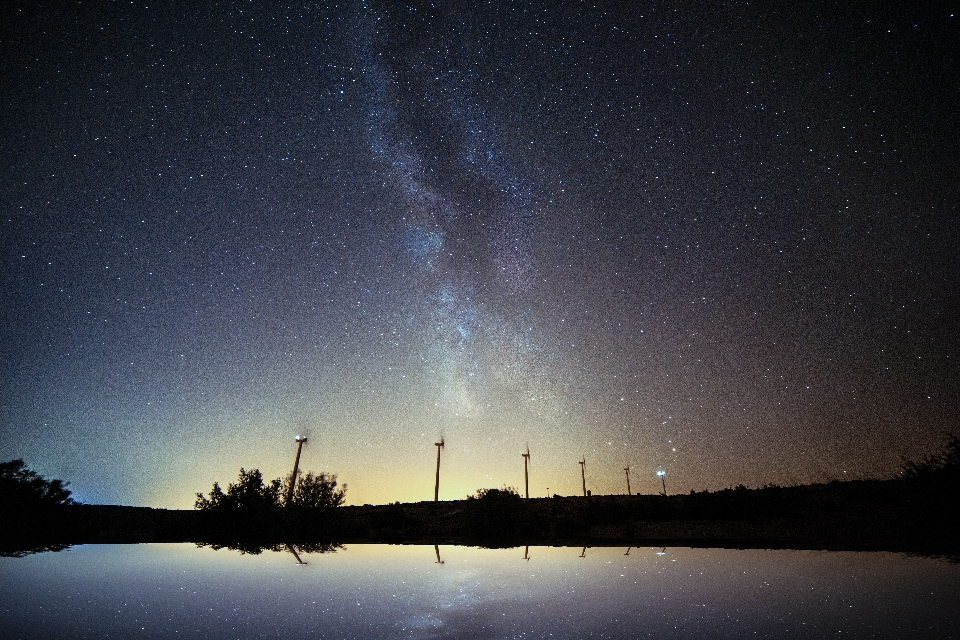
714, 239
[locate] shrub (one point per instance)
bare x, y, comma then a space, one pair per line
248, 493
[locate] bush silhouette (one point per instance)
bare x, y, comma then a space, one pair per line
249, 493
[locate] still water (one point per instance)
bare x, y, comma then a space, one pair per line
383, 591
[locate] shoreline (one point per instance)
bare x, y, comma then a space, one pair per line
869, 515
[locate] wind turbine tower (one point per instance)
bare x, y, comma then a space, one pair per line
627, 469
436, 488
526, 474
296, 465
583, 474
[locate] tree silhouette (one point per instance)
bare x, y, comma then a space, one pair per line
256, 548
942, 465
494, 513
318, 490
22, 488
249, 493
507, 494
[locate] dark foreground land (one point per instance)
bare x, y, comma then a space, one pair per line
906, 515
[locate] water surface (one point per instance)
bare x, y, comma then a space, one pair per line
382, 591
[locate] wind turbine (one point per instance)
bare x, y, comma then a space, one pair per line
436, 488
300, 440
663, 480
583, 474
627, 469
526, 475
293, 549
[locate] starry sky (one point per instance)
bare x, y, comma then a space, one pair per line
717, 239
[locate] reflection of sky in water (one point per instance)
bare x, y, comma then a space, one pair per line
162, 591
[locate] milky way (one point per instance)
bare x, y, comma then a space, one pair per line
719, 242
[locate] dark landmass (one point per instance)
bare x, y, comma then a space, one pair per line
907, 515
